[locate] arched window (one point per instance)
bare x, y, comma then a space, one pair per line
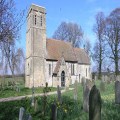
62, 79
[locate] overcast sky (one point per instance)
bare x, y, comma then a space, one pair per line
81, 12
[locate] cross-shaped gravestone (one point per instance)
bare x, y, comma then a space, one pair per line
94, 104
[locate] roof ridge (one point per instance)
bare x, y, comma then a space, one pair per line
59, 40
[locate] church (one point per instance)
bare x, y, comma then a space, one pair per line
49, 60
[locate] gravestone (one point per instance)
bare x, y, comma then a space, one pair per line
93, 82
17, 88
89, 83
86, 92
102, 86
21, 113
33, 98
54, 112
36, 106
117, 92
83, 81
75, 90
94, 104
28, 117
59, 94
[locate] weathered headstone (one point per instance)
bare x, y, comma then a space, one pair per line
32, 102
102, 86
93, 81
89, 83
75, 90
21, 113
28, 117
94, 104
18, 88
117, 92
86, 92
54, 112
83, 81
33, 98
59, 94
36, 106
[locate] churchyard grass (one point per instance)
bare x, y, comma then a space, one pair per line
8, 90
68, 110
23, 92
109, 93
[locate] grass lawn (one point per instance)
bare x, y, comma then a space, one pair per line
68, 110
109, 93
24, 91
8, 91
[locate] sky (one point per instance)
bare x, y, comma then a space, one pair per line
81, 12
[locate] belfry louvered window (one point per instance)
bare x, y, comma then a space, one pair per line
41, 20
35, 19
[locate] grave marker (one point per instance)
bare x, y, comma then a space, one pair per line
117, 92
54, 112
21, 113
94, 104
83, 81
86, 92
59, 94
36, 105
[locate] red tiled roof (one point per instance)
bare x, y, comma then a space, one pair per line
57, 48
81, 56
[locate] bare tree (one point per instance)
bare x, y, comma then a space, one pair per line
112, 33
70, 32
99, 48
10, 24
14, 58
88, 46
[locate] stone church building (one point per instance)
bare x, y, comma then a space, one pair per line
50, 60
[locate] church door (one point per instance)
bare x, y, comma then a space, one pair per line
63, 79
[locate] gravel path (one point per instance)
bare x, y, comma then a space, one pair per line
22, 97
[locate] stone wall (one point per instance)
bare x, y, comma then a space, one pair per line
79, 70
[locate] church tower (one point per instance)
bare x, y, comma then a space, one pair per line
35, 47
